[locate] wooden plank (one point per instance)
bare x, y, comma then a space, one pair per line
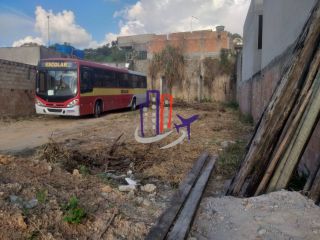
182, 225
299, 73
164, 222
314, 193
311, 179
279, 109
291, 125
298, 142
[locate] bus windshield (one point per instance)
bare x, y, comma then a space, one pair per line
58, 83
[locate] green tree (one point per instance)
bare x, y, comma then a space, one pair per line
106, 53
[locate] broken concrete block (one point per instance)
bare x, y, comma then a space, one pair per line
148, 188
126, 188
76, 172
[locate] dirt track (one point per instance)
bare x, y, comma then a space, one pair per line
17, 136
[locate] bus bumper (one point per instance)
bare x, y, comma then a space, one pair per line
73, 111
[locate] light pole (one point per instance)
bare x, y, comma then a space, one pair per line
191, 21
200, 78
48, 31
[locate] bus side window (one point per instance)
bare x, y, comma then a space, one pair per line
142, 82
86, 81
124, 80
97, 78
135, 81
109, 80
128, 83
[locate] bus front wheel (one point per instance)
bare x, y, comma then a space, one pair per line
97, 110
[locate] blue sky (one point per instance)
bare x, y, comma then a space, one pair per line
96, 22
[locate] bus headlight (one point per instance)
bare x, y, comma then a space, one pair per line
73, 103
39, 103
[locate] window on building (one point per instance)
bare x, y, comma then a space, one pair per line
260, 32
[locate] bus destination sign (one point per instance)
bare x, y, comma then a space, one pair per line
58, 64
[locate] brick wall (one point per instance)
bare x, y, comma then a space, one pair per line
205, 41
17, 83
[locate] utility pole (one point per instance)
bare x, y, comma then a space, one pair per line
48, 31
200, 78
191, 21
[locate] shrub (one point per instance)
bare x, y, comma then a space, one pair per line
230, 158
232, 104
41, 195
73, 213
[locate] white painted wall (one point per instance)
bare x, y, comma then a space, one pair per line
251, 54
27, 55
283, 21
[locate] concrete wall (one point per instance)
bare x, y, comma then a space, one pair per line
251, 59
261, 69
28, 55
223, 88
282, 23
196, 46
17, 83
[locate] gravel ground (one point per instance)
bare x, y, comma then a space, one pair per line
279, 215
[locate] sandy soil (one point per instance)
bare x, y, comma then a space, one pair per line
85, 158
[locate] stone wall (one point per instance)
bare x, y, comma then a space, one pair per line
17, 83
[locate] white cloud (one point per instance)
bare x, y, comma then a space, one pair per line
28, 39
62, 28
145, 16
154, 16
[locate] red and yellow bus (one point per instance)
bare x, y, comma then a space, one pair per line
72, 87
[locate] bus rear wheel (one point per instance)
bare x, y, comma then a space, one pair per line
97, 109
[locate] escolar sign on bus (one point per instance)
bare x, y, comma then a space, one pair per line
56, 64
59, 64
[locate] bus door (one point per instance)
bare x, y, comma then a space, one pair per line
124, 84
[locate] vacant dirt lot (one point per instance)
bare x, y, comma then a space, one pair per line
60, 177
